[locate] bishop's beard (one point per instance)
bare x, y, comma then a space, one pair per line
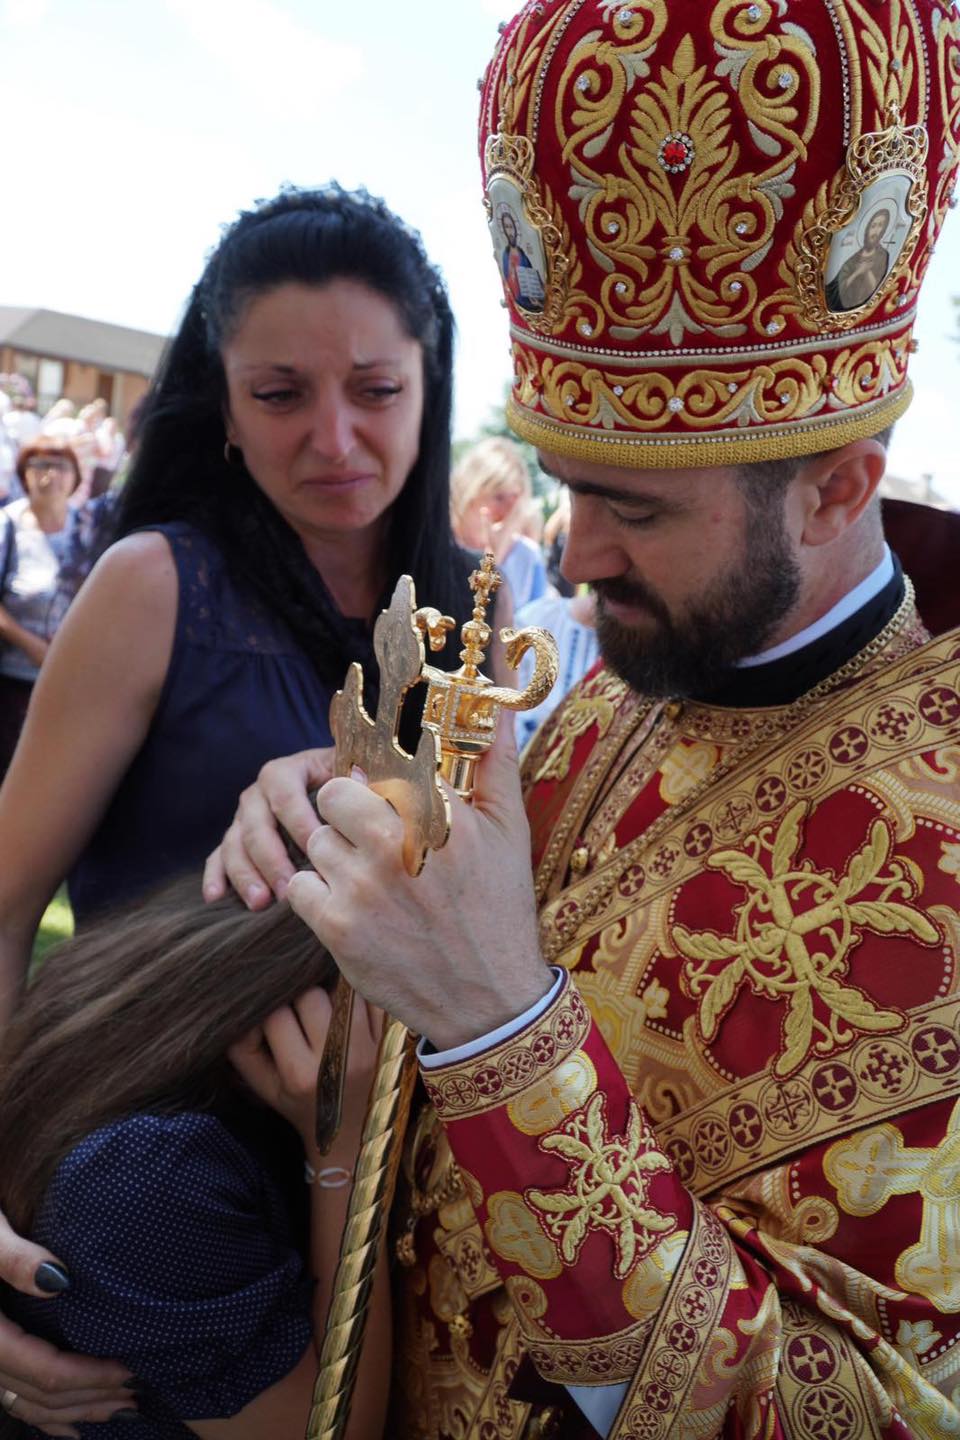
695, 653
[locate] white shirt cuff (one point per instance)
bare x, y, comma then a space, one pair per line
432, 1059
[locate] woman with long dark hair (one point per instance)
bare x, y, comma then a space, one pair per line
165, 1187
293, 462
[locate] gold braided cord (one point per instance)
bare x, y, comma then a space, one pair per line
370, 1200
682, 452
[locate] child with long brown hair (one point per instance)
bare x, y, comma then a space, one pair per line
141, 1081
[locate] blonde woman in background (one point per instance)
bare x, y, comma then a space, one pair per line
490, 499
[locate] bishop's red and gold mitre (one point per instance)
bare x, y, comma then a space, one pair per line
712, 218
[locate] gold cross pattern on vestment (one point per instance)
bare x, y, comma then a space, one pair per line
869, 1168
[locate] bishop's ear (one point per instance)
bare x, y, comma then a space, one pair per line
835, 489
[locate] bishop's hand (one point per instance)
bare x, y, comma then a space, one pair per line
453, 953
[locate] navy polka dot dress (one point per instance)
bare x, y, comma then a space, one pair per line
184, 1265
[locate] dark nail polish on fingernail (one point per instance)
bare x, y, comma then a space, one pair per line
133, 1384
126, 1415
52, 1278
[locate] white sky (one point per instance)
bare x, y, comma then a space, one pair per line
135, 128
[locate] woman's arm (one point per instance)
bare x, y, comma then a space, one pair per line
91, 708
33, 646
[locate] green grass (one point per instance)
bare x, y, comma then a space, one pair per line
56, 925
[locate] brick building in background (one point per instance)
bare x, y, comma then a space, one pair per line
78, 358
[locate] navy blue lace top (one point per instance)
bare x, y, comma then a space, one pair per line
185, 1265
239, 692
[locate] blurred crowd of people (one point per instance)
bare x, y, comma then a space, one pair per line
56, 473
92, 433
493, 507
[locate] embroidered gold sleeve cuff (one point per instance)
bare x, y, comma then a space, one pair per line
581, 1211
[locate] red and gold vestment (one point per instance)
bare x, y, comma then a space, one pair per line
723, 1167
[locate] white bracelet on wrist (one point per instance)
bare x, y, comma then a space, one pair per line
330, 1177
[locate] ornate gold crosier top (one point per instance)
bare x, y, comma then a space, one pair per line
460, 713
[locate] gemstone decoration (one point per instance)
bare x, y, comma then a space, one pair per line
732, 387
625, 16
676, 253
735, 287
618, 389
583, 83
613, 227
741, 227
675, 404
784, 80
773, 328
676, 152
753, 13
620, 287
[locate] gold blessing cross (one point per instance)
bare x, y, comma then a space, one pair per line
459, 723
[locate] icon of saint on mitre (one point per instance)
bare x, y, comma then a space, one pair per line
864, 252
517, 246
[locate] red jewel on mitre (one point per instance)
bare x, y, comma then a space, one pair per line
676, 152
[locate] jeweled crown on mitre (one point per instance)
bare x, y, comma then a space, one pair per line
712, 217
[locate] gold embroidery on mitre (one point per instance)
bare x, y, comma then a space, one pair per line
946, 71
883, 189
874, 1165
607, 1190
794, 954
681, 163
645, 219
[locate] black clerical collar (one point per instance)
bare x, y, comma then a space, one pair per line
780, 682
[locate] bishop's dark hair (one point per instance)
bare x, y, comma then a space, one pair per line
180, 472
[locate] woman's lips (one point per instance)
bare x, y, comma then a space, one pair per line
337, 482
